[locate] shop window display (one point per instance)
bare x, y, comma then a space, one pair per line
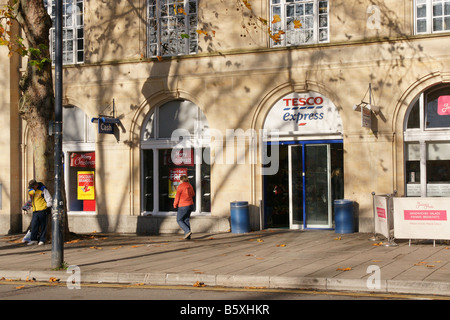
82, 181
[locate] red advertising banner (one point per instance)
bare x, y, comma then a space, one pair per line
426, 215
381, 212
444, 105
83, 160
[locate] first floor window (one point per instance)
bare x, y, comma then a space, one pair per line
297, 22
172, 27
73, 30
432, 16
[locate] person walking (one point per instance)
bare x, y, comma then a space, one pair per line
41, 201
185, 205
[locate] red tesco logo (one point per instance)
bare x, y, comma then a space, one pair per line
310, 101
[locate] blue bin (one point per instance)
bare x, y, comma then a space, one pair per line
343, 216
239, 217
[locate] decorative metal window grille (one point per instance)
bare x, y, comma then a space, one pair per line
172, 27
298, 22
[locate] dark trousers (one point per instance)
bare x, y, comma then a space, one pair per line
39, 224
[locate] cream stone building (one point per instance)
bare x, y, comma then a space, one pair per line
253, 100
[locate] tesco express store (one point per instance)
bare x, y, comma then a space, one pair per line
306, 130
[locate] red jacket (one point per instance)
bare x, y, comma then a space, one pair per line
184, 195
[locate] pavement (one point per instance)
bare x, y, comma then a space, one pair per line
270, 259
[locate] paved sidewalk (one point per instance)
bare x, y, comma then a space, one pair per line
321, 260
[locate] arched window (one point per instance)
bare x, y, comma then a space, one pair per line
427, 144
163, 161
79, 154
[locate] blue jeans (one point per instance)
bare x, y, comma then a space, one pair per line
183, 215
39, 221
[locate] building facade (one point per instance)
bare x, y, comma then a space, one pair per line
265, 101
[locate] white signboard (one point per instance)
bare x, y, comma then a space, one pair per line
366, 117
381, 212
304, 113
422, 218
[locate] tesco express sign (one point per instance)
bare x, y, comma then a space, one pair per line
308, 113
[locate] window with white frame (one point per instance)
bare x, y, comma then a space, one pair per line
172, 27
79, 153
427, 144
431, 16
73, 30
163, 161
297, 22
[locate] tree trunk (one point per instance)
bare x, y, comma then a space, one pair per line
37, 103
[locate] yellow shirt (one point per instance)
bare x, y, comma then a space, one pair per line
40, 198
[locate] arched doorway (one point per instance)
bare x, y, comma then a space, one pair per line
309, 141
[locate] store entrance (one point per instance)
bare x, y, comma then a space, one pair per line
310, 176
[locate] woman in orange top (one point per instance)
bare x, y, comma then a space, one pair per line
185, 205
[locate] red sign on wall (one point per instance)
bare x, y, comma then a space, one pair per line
83, 160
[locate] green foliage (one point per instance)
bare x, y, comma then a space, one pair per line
15, 43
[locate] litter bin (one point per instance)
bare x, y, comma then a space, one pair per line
239, 217
343, 216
